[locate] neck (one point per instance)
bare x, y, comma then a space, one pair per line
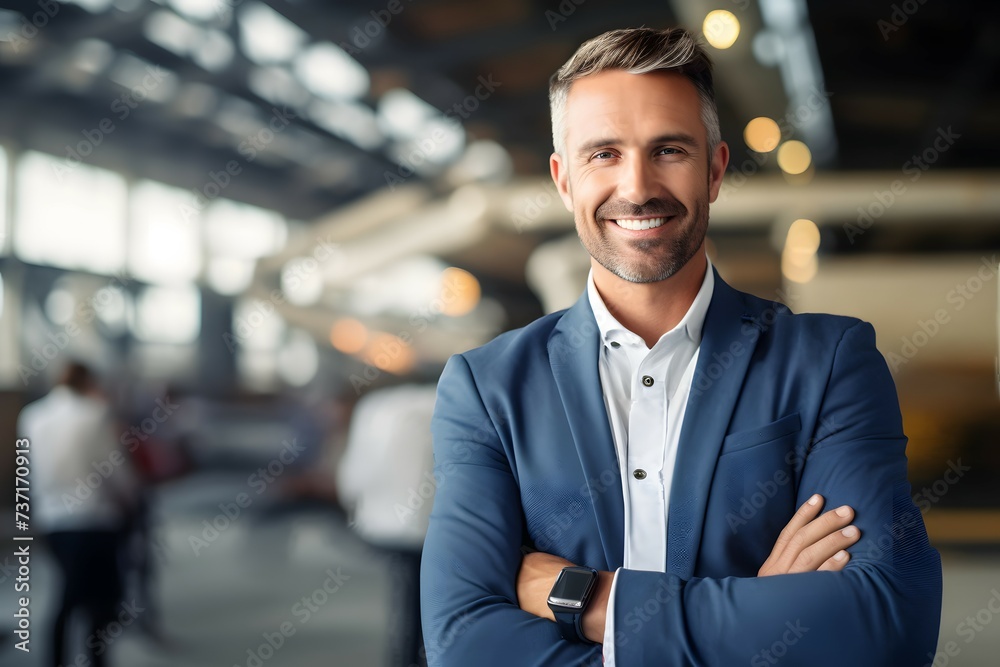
651, 309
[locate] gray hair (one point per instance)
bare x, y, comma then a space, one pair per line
637, 51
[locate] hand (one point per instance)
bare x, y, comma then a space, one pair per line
809, 544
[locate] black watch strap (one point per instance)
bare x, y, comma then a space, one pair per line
571, 626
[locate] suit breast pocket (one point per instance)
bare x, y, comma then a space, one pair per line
753, 494
744, 440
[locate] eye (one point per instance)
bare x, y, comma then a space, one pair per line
668, 150
602, 155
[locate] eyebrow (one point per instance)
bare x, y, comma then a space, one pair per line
672, 138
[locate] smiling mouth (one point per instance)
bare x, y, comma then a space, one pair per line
638, 225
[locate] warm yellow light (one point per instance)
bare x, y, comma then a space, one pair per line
803, 236
348, 335
794, 157
721, 28
390, 353
762, 135
799, 270
460, 292
798, 259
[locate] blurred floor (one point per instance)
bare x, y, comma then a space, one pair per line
216, 606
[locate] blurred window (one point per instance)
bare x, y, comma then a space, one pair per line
257, 324
4, 234
228, 275
165, 242
298, 359
242, 231
69, 215
168, 314
258, 333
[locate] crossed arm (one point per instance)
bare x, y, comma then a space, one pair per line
809, 543
880, 606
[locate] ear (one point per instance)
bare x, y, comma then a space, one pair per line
720, 160
560, 176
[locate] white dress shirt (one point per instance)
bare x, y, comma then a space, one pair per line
80, 477
646, 392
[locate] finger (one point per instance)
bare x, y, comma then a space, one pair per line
806, 513
803, 535
814, 531
836, 563
811, 558
829, 523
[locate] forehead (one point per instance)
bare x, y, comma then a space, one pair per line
629, 107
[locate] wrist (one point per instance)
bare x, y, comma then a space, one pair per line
595, 615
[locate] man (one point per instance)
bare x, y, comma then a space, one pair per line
83, 513
386, 479
664, 430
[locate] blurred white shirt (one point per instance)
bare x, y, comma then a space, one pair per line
80, 477
386, 474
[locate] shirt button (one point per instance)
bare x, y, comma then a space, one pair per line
615, 344
639, 473
648, 381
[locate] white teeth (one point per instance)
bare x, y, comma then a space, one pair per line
636, 225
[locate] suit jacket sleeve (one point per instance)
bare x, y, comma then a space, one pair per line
472, 552
882, 609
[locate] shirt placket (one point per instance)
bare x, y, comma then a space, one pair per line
645, 457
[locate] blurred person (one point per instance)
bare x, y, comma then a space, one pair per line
386, 480
83, 490
156, 438
662, 450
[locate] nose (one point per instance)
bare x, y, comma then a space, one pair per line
638, 181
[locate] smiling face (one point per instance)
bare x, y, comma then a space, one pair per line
637, 174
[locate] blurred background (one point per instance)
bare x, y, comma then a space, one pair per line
255, 219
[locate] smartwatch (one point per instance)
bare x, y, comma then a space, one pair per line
568, 599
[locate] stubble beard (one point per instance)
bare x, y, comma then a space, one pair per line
662, 257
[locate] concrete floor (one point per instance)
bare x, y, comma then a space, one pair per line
216, 607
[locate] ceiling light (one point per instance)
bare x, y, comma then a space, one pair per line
329, 72
762, 135
200, 10
390, 353
214, 51
798, 258
166, 29
353, 121
267, 37
277, 86
460, 292
92, 6
794, 157
721, 28
348, 335
404, 115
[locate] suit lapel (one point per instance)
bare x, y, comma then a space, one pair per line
729, 333
573, 349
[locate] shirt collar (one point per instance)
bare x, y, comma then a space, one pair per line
692, 323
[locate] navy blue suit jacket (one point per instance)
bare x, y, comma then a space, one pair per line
781, 406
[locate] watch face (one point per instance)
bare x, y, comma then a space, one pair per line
571, 588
